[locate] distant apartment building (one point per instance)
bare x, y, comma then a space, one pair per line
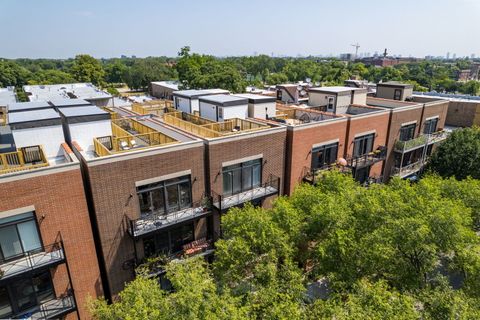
463, 110
48, 262
85, 91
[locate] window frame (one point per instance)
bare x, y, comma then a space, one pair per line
323, 148
399, 92
363, 142
428, 125
163, 186
411, 128
242, 168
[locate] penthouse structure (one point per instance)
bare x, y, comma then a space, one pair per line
7, 96
48, 264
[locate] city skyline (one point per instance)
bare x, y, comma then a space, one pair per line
53, 29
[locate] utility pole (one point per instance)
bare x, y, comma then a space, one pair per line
356, 45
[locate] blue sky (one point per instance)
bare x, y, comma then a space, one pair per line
107, 28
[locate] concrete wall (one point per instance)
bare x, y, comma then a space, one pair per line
61, 212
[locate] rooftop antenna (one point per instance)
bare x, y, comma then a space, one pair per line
356, 45
385, 53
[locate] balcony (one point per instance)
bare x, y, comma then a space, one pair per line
25, 158
47, 256
412, 144
367, 159
312, 175
271, 187
153, 222
437, 136
52, 309
407, 170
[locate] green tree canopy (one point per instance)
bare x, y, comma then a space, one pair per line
458, 155
86, 68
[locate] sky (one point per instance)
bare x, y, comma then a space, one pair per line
107, 28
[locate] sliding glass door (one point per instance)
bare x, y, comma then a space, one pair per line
18, 235
242, 177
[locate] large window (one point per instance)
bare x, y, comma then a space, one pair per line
407, 132
18, 235
169, 241
430, 126
24, 294
242, 177
165, 196
324, 155
363, 145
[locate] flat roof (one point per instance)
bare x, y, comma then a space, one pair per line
69, 102
7, 96
336, 89
256, 98
28, 106
194, 93
82, 111
65, 91
167, 84
395, 84
32, 116
224, 100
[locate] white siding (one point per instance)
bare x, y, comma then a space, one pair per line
360, 98
240, 112
84, 133
50, 138
208, 111
319, 99
260, 110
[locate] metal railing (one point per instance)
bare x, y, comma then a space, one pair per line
25, 158
54, 308
155, 221
312, 175
367, 159
437, 136
270, 187
31, 260
408, 169
412, 144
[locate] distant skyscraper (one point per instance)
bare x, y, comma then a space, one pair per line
454, 56
448, 55
472, 56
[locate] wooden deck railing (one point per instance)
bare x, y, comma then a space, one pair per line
208, 128
25, 158
155, 107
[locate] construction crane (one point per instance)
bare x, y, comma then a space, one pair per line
356, 45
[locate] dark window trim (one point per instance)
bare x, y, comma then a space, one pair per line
316, 164
240, 167
364, 140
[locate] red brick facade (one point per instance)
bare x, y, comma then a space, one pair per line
61, 212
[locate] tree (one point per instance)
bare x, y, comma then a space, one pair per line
51, 76
144, 71
471, 87
86, 68
11, 74
114, 72
458, 155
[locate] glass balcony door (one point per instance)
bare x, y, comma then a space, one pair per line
242, 177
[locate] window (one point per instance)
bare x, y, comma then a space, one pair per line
330, 103
18, 235
407, 132
168, 242
242, 177
430, 126
165, 196
324, 155
397, 94
361, 174
23, 294
220, 113
363, 145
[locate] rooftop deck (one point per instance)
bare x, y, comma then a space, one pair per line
154, 107
130, 134
206, 128
296, 116
26, 158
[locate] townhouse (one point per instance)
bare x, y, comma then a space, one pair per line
48, 264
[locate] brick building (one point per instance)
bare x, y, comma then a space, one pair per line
48, 261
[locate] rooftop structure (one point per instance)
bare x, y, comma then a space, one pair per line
27, 106
187, 100
85, 91
173, 85
7, 96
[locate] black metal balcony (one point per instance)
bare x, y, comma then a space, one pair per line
312, 175
51, 309
149, 223
31, 260
367, 159
223, 202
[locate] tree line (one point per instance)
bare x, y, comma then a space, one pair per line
231, 73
